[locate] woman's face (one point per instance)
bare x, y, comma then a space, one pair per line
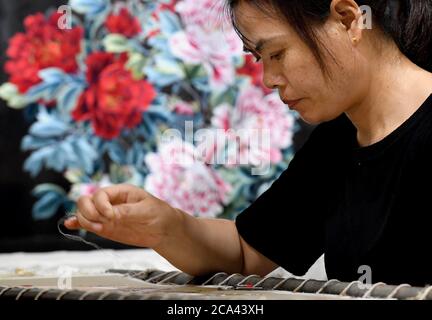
291, 67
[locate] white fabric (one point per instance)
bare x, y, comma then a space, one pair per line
316, 271
98, 261
81, 262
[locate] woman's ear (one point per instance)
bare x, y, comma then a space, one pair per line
349, 15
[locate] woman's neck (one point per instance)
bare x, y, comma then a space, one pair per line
397, 90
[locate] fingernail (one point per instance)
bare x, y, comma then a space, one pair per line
69, 220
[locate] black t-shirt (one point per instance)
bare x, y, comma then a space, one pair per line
361, 206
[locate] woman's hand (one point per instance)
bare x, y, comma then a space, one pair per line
126, 214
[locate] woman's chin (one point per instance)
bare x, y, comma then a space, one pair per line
314, 118
310, 117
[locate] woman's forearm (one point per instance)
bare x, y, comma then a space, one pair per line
200, 246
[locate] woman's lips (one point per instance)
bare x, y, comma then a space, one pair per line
292, 103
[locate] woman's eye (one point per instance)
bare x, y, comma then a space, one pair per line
276, 56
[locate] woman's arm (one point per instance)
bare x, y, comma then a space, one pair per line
199, 246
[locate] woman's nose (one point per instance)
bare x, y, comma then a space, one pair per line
273, 80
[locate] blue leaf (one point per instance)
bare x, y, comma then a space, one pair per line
43, 188
67, 97
201, 83
158, 112
136, 155
67, 148
86, 154
52, 75
117, 153
48, 128
160, 79
34, 163
170, 22
160, 43
32, 143
43, 90
161, 100
98, 19
89, 7
149, 127
47, 206
57, 161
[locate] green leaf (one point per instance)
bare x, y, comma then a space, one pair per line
74, 175
194, 71
218, 98
166, 65
116, 43
9, 92
136, 64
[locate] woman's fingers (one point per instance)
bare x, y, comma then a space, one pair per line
87, 224
72, 223
107, 204
80, 222
102, 203
125, 211
87, 208
125, 193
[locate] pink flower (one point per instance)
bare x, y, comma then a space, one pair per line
180, 178
183, 108
214, 50
88, 189
208, 14
254, 117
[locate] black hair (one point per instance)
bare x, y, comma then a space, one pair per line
407, 22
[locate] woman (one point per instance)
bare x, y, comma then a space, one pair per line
356, 191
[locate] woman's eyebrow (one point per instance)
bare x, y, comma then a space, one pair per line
262, 43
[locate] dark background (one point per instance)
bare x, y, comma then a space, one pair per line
18, 231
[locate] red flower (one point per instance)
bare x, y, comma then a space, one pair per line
42, 45
168, 6
123, 23
114, 99
255, 71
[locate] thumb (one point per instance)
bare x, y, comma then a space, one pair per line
72, 223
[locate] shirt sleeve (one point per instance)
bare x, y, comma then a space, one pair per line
287, 222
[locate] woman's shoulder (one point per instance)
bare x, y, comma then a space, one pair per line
417, 140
